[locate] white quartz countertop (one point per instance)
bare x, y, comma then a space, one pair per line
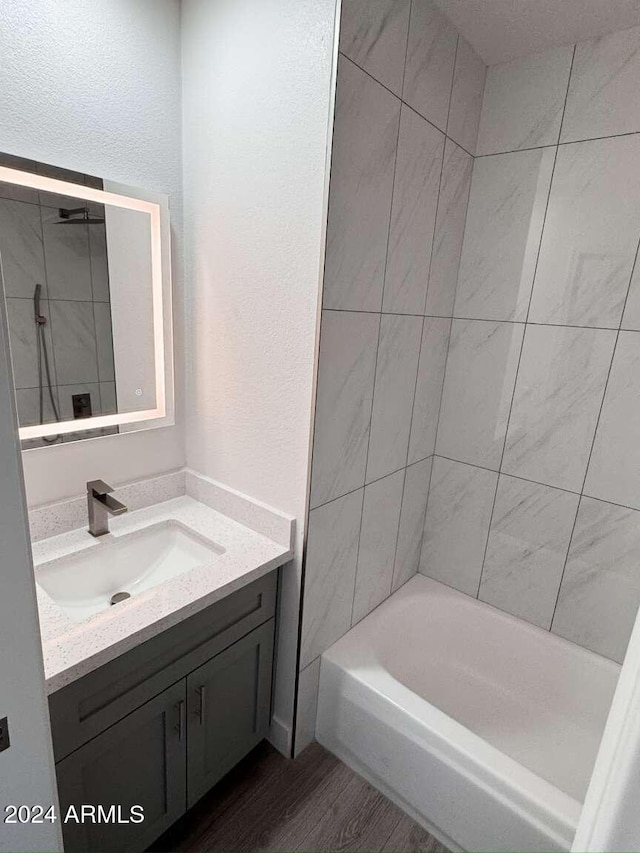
72, 649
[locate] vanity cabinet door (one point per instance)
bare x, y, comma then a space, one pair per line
229, 708
140, 761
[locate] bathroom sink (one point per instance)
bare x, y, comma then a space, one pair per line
84, 584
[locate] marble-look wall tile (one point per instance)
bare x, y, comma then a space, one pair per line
466, 96
603, 92
431, 54
528, 542
590, 234
378, 537
449, 232
426, 404
108, 402
615, 460
348, 342
600, 590
457, 523
558, 395
396, 371
412, 516
74, 341
523, 102
28, 401
104, 341
364, 152
413, 214
478, 388
21, 251
22, 339
332, 552
631, 315
373, 33
66, 251
308, 685
509, 194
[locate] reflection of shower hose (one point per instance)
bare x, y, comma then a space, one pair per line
43, 356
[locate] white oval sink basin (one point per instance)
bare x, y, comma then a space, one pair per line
83, 584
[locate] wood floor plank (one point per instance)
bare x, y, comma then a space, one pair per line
304, 808
262, 818
361, 818
315, 803
257, 771
409, 837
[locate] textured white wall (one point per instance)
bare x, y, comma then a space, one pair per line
257, 78
95, 86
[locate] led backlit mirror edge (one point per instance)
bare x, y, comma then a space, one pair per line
156, 206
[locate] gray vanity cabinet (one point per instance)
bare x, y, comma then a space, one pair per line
160, 725
228, 709
141, 761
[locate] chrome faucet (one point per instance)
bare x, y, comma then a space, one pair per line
101, 505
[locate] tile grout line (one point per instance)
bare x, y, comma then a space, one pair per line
355, 574
528, 480
524, 335
446, 358
453, 80
405, 103
375, 371
426, 508
565, 561
395, 549
494, 320
435, 218
556, 144
575, 520
426, 296
595, 433
455, 289
371, 482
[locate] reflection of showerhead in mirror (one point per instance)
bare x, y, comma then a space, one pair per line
78, 216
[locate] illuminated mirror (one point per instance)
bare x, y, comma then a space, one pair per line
85, 266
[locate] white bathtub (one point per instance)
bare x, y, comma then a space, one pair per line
481, 726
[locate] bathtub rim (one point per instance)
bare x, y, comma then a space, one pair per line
541, 815
489, 766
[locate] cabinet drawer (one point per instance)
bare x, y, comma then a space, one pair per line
90, 705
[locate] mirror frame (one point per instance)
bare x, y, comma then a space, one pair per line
156, 206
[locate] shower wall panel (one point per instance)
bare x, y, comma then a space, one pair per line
404, 139
534, 504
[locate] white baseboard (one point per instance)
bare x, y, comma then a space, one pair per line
279, 736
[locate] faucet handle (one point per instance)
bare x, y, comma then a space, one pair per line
99, 488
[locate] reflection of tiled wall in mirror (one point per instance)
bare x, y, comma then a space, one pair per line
70, 262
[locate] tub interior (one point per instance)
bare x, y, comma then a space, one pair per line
537, 698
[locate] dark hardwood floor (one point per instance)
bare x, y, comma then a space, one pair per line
315, 803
